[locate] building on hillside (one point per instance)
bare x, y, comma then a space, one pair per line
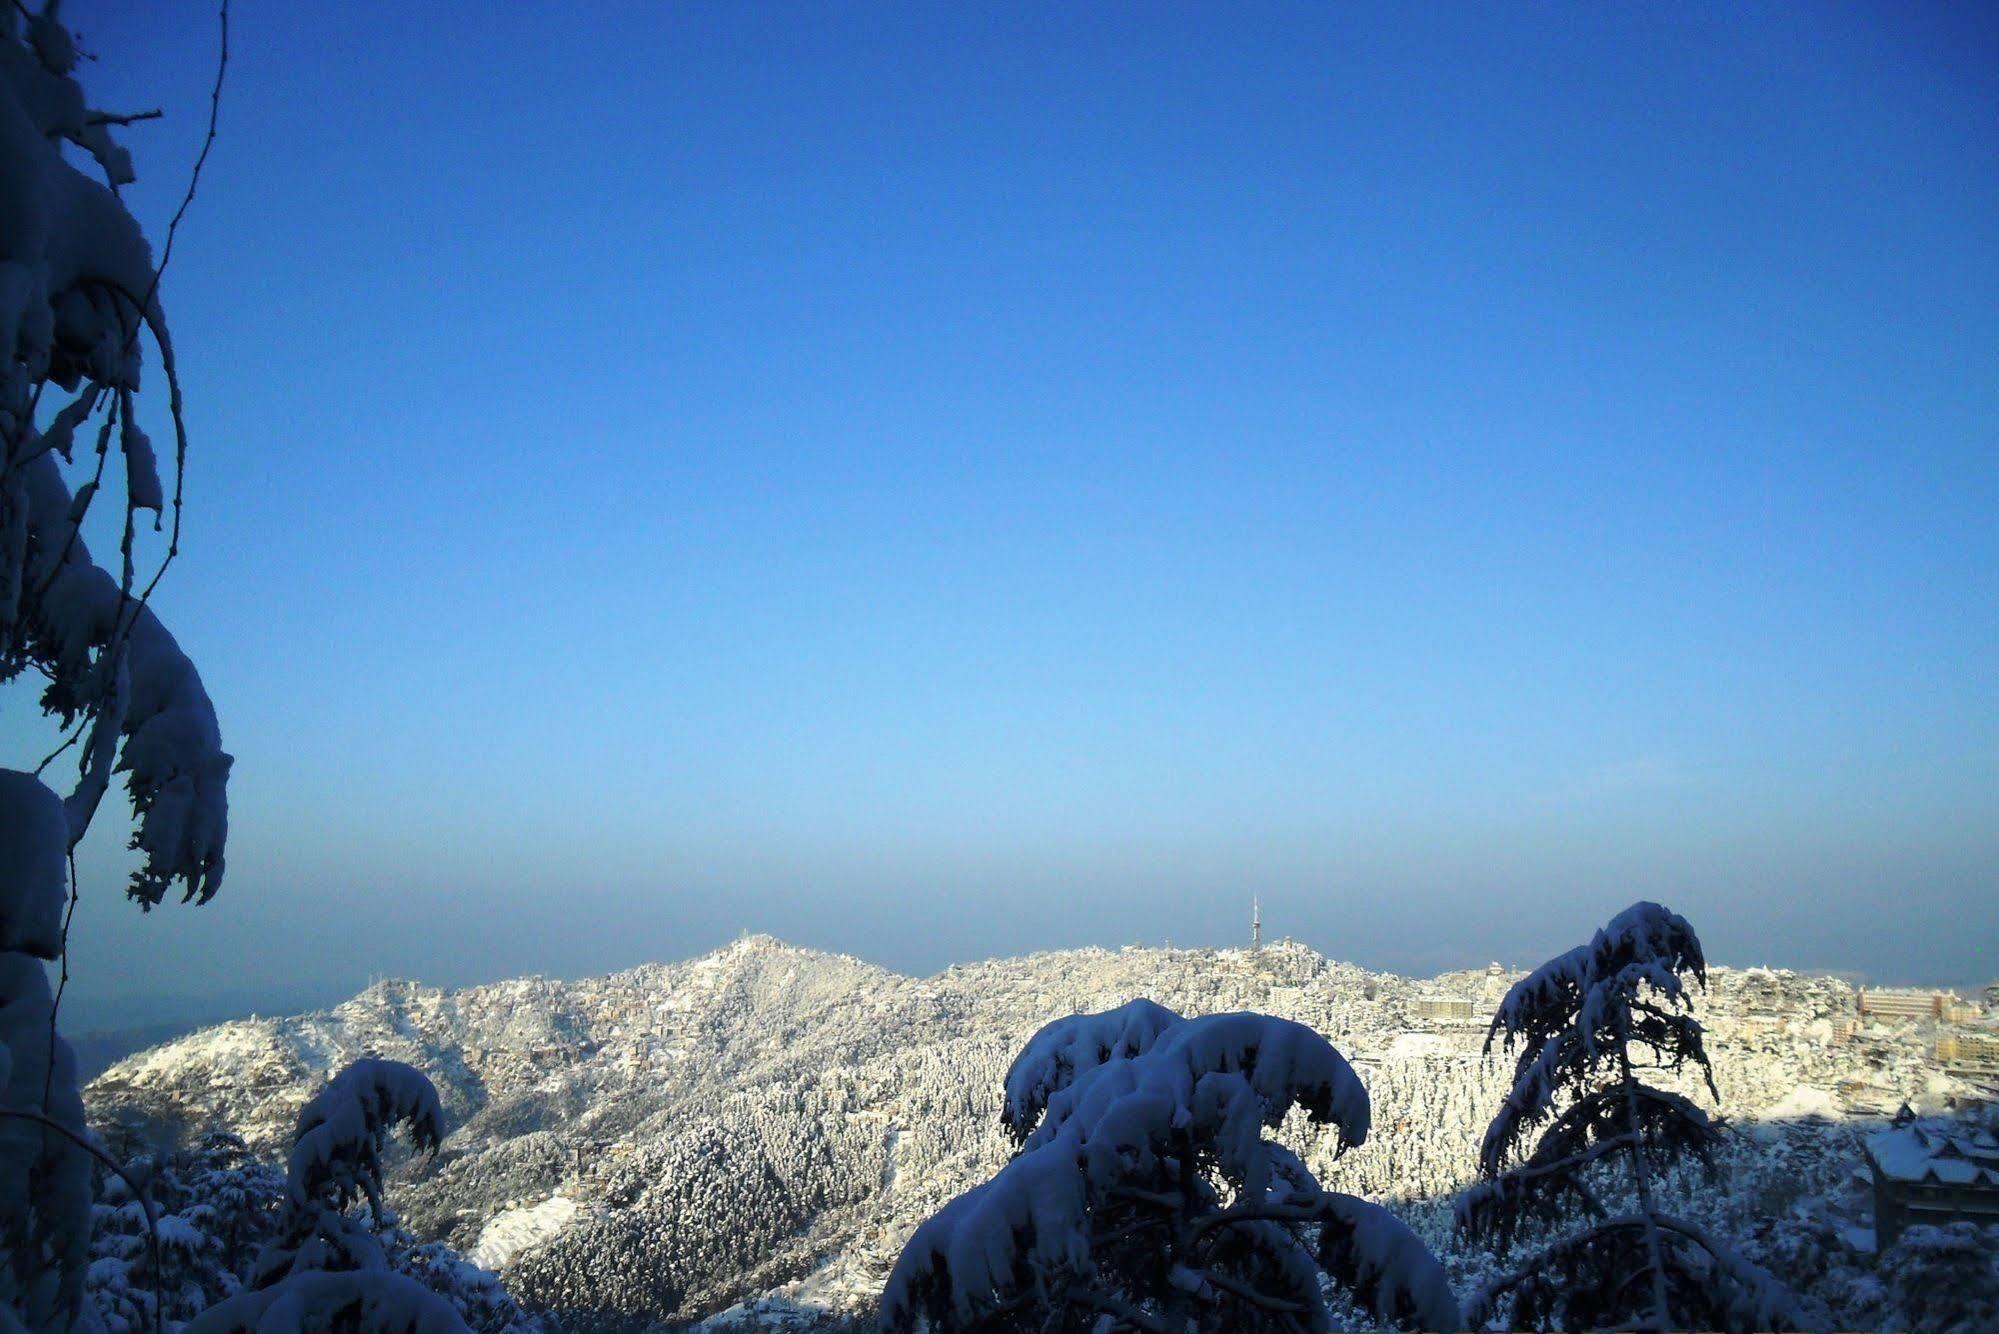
1931, 1173
1844, 1027
1443, 1008
1974, 1099
1864, 1097
1971, 1052
1893, 1003
1768, 992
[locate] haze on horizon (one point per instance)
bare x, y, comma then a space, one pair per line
933, 485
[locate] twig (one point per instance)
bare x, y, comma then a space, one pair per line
166, 343
194, 178
50, 758
122, 118
62, 984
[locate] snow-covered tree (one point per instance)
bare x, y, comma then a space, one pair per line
214, 1207
336, 1162
327, 1268
78, 302
480, 1299
1147, 1195
1942, 1279
217, 1209
1586, 1023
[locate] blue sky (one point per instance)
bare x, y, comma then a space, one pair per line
930, 481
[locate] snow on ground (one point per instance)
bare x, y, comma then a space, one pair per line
889, 1143
512, 1231
841, 1283
1804, 1100
224, 1048
1418, 1047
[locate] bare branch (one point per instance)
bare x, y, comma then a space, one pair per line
124, 118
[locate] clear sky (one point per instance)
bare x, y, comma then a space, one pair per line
942, 480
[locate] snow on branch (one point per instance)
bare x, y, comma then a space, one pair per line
34, 875
1146, 1191
1373, 1254
77, 290
1067, 1047
336, 1159
327, 1303
337, 1150
45, 1178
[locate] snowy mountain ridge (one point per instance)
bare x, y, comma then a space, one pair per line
669, 1140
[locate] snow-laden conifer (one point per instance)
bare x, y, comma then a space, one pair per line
1580, 1137
78, 303
216, 1210
1147, 1195
213, 1208
329, 1265
336, 1162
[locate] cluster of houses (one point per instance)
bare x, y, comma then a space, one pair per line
1938, 1169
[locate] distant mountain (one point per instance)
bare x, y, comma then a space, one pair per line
767, 1123
99, 1050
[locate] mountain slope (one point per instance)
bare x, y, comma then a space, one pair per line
666, 1141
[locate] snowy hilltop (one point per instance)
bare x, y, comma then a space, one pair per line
751, 1136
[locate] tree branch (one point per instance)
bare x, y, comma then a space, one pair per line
122, 118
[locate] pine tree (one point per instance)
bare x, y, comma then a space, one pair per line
1146, 1195
327, 1268
1587, 1023
214, 1207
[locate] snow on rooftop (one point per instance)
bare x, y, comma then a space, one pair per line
1919, 1152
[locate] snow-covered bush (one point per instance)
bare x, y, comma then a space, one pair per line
1147, 1195
78, 301
1578, 1019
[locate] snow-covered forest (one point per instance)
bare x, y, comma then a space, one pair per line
763, 1127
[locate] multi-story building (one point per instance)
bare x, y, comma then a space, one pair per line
1443, 1008
1932, 1174
1905, 1002
1969, 1051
